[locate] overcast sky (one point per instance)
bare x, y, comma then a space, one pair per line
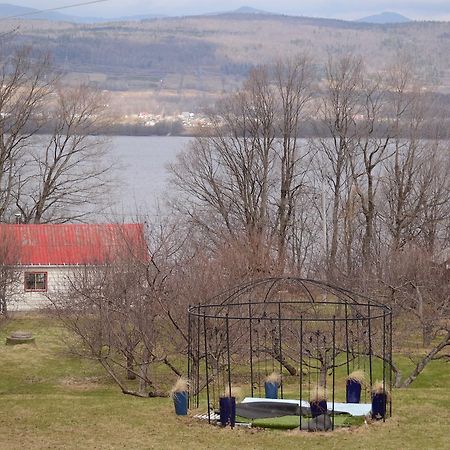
342, 9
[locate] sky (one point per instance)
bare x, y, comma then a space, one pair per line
340, 9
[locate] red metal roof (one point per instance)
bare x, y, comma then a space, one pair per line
69, 244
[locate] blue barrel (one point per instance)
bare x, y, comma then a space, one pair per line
318, 408
227, 411
271, 389
180, 400
353, 393
379, 406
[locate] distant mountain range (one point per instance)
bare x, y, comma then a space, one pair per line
385, 18
20, 12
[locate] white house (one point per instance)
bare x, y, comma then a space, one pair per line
43, 256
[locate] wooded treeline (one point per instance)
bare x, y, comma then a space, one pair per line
375, 192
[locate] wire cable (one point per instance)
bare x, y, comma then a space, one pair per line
58, 8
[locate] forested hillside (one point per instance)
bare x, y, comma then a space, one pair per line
182, 63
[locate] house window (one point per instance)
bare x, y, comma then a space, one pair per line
36, 281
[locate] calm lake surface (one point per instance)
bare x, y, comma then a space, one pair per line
143, 173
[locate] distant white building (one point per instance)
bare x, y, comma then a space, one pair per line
43, 256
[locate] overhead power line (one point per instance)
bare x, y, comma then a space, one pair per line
40, 11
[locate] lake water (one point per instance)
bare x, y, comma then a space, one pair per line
143, 173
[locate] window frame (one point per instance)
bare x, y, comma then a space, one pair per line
34, 272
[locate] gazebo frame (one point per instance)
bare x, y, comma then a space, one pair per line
292, 324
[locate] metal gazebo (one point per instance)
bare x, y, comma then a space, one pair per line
310, 332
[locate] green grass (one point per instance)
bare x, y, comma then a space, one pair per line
49, 399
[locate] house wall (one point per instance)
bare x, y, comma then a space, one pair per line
57, 279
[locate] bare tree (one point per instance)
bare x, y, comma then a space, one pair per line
114, 314
338, 112
226, 174
244, 175
434, 216
293, 86
25, 85
51, 165
66, 176
371, 150
419, 289
407, 176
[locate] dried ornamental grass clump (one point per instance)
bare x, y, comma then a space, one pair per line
236, 392
318, 401
271, 384
380, 388
358, 376
274, 378
181, 385
318, 393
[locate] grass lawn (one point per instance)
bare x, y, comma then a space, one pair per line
51, 400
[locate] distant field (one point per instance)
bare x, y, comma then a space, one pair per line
51, 400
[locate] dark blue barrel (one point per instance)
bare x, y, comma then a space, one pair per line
318, 407
271, 389
180, 400
227, 411
379, 405
353, 393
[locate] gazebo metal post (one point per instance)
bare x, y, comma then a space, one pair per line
189, 358
228, 354
390, 362
280, 349
358, 345
369, 320
334, 370
258, 353
346, 340
317, 359
301, 369
383, 353
198, 360
206, 366
251, 345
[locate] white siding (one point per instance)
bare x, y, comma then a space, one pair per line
21, 300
